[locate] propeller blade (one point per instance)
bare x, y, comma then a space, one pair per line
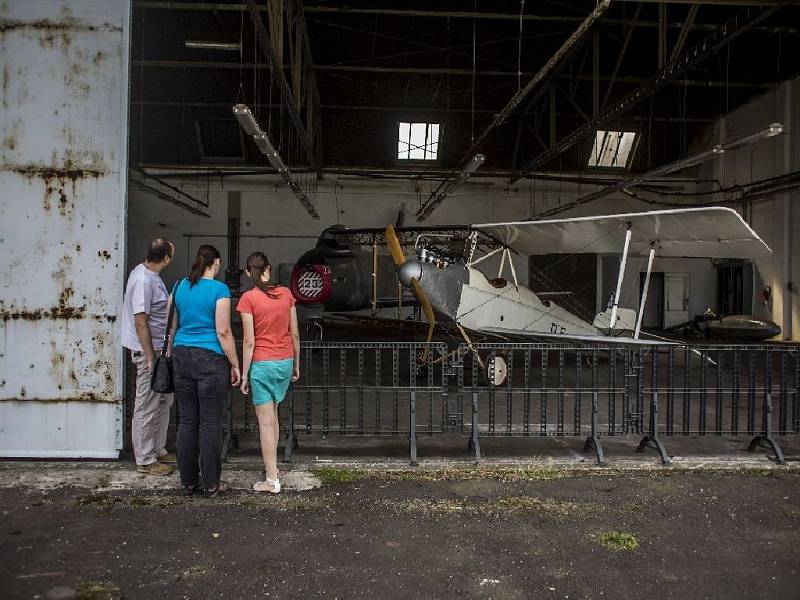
395, 248
426, 308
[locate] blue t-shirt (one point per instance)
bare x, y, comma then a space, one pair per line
197, 306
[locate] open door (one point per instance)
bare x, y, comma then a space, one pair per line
676, 298
653, 317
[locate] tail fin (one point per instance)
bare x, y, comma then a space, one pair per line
626, 320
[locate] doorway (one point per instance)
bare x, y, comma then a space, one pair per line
653, 317
676, 298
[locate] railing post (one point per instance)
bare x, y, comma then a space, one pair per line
474, 444
652, 440
412, 427
766, 439
593, 441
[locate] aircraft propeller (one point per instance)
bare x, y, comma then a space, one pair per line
399, 258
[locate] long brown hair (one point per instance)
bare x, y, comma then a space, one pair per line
206, 255
257, 264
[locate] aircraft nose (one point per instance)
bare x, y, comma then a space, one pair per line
411, 269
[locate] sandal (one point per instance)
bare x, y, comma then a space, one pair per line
273, 486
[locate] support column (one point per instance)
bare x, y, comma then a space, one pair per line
644, 292
620, 278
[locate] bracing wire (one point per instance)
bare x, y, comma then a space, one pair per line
474, 54
519, 46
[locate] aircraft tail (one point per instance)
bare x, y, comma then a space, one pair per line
626, 320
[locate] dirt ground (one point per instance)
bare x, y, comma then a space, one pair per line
535, 532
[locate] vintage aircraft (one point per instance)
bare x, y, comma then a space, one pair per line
464, 295
445, 280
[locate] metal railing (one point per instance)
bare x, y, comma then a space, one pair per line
592, 392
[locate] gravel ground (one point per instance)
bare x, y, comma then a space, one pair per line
532, 532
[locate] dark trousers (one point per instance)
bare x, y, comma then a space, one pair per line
201, 388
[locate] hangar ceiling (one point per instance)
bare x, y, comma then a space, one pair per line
663, 71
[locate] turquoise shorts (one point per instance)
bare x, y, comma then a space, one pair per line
269, 380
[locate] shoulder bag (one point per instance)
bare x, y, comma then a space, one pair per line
161, 380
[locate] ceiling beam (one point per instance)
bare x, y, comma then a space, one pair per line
709, 46
219, 64
443, 14
413, 110
541, 75
286, 92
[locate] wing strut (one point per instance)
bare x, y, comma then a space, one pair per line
644, 292
620, 277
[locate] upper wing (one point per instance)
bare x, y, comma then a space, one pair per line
716, 232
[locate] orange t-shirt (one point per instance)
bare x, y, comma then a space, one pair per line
270, 322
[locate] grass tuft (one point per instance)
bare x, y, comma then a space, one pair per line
334, 475
92, 590
617, 540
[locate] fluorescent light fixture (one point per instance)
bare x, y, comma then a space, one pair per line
204, 45
769, 131
246, 120
261, 139
266, 147
474, 163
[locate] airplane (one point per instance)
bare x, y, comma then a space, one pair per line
466, 296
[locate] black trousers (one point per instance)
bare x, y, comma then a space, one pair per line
201, 388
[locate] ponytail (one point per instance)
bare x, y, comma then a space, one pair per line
206, 255
257, 264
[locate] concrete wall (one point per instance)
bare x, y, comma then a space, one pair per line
774, 217
63, 139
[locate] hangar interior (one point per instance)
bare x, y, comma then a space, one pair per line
356, 73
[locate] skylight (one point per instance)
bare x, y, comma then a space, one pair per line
612, 149
417, 141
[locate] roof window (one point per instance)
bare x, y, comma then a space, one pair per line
612, 149
417, 141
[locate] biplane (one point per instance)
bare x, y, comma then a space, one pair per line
445, 280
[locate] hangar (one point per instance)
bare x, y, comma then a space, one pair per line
122, 121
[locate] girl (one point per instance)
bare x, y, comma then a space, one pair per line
204, 363
271, 357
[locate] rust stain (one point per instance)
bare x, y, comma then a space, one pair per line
69, 24
10, 140
6, 78
57, 314
81, 397
104, 254
49, 173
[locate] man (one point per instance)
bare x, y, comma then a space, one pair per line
144, 322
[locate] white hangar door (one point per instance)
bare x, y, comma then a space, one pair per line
676, 298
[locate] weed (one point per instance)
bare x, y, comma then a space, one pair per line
505, 505
92, 590
334, 475
617, 540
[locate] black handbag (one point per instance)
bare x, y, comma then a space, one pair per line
161, 380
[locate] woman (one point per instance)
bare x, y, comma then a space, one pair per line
204, 363
271, 357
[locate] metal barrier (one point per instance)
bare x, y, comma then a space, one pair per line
362, 388
549, 390
719, 390
593, 392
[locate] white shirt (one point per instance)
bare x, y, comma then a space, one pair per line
144, 293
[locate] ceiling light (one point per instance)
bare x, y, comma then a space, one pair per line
246, 120
212, 45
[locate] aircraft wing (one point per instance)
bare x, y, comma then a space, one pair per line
592, 339
716, 232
